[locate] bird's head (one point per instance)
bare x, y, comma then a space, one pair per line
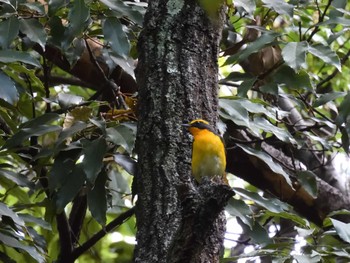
197, 125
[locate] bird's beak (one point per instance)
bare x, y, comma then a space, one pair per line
186, 125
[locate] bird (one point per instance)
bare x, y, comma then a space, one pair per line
208, 152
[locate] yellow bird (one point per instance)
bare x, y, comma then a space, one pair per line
208, 151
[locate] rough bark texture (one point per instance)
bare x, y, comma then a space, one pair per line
177, 78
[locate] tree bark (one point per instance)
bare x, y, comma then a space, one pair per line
177, 76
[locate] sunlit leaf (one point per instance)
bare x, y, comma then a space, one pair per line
343, 229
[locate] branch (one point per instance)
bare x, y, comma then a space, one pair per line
255, 171
66, 247
202, 218
319, 21
77, 216
95, 238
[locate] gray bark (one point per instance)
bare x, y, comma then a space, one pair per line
177, 77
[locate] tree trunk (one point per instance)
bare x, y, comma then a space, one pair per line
177, 76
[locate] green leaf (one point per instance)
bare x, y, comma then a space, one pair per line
70, 188
308, 180
57, 31
55, 5
343, 229
12, 242
268, 160
34, 127
28, 218
26, 133
8, 90
265, 39
263, 124
99, 123
123, 135
239, 208
326, 54
339, 8
245, 86
248, 5
271, 204
290, 216
63, 166
34, 30
116, 37
345, 140
66, 100
294, 54
256, 232
344, 110
286, 76
69, 132
97, 200
122, 10
234, 111
78, 16
280, 6
314, 257
9, 56
6, 211
126, 162
8, 31
324, 98
17, 178
93, 151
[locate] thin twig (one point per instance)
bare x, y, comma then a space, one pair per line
109, 227
322, 16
